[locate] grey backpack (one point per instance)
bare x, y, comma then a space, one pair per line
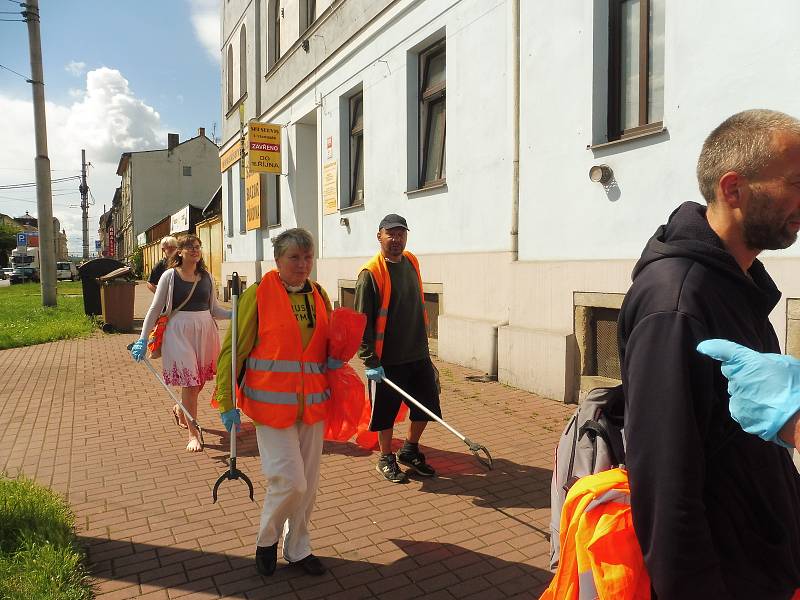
592, 442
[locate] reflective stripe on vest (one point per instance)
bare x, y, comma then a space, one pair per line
285, 398
380, 274
279, 371
285, 366
598, 506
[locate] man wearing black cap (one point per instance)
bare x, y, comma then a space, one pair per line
395, 345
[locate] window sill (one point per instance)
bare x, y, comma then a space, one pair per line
435, 187
352, 208
235, 105
638, 136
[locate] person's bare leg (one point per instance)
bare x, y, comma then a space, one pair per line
189, 398
415, 430
385, 441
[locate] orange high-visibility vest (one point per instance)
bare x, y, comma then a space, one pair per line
377, 267
278, 369
600, 554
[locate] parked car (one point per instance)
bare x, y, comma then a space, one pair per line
66, 270
5, 273
23, 274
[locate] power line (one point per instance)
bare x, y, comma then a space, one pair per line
33, 183
15, 73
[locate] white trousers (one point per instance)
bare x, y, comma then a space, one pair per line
290, 460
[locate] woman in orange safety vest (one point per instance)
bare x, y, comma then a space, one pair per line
282, 360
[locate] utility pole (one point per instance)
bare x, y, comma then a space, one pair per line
84, 206
44, 191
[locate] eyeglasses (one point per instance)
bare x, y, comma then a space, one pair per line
193, 248
169, 248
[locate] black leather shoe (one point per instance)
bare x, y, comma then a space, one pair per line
266, 559
311, 565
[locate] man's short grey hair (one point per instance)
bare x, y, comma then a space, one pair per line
296, 237
743, 143
168, 240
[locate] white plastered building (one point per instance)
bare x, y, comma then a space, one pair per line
525, 259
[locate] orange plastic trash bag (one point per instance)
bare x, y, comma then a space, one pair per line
347, 402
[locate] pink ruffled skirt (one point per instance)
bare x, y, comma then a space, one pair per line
190, 349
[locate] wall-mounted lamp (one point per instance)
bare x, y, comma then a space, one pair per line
304, 45
344, 222
601, 174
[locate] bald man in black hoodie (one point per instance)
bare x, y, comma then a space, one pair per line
716, 511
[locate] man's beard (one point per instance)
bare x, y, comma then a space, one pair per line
762, 228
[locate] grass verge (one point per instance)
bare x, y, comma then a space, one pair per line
24, 321
39, 556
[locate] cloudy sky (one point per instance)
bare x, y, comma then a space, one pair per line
118, 77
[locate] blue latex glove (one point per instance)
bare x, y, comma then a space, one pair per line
764, 388
375, 374
138, 350
230, 418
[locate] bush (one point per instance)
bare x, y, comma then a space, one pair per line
39, 556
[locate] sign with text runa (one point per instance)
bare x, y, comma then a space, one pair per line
264, 147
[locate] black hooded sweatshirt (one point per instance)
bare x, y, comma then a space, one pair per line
716, 510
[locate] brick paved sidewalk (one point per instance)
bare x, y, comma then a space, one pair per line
81, 417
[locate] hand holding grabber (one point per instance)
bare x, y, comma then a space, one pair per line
233, 472
172, 395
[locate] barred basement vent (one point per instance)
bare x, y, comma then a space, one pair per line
604, 360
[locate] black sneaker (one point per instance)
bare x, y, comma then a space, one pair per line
415, 460
311, 565
387, 466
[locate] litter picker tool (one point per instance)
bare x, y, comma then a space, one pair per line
233, 472
473, 447
172, 395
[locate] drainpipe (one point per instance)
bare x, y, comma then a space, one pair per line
515, 70
257, 83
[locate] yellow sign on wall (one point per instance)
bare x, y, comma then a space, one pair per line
252, 187
330, 195
230, 156
264, 147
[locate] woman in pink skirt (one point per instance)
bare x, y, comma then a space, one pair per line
186, 292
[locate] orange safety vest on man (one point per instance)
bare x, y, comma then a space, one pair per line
279, 371
380, 274
600, 554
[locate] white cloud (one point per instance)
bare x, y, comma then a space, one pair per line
205, 20
76, 68
105, 120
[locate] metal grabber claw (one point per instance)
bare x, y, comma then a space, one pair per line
232, 472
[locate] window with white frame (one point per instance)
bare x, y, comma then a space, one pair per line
242, 62
308, 13
356, 162
274, 202
229, 75
432, 115
275, 31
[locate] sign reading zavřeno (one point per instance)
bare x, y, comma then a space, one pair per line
264, 147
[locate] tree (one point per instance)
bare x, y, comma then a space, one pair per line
8, 241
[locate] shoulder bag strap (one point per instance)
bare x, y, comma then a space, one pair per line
189, 297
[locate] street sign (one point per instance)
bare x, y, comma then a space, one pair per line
22, 239
97, 245
264, 147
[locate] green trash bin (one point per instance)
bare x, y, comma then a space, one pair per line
117, 294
